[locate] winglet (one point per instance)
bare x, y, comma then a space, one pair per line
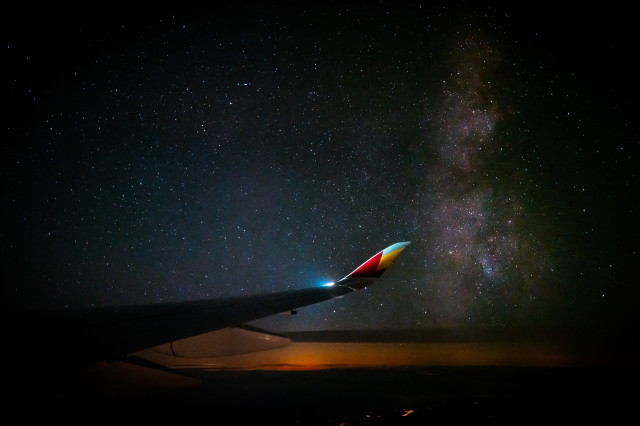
373, 268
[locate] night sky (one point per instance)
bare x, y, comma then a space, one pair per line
156, 156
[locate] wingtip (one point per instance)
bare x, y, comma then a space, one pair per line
402, 244
373, 268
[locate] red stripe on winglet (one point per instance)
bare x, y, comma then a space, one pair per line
369, 268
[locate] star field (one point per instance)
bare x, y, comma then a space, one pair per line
158, 157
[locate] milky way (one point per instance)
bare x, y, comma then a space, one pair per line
167, 157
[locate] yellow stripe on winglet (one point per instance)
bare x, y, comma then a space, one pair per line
390, 254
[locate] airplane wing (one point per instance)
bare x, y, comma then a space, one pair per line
76, 338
